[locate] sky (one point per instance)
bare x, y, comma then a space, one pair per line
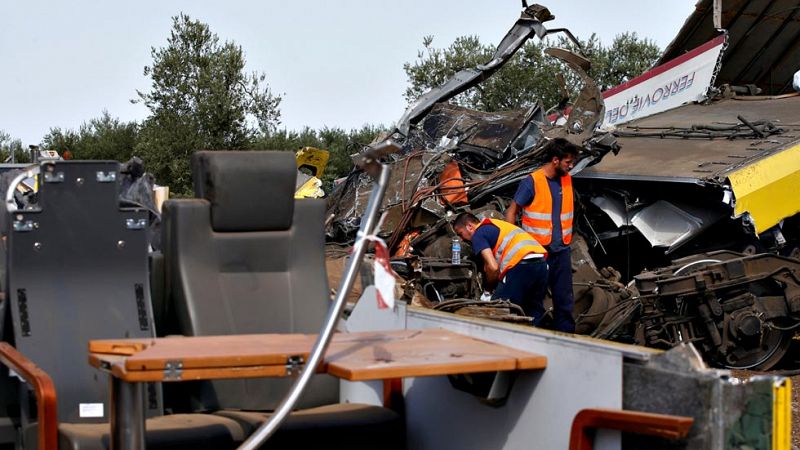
336, 63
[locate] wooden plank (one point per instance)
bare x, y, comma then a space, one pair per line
199, 374
115, 364
415, 353
125, 347
354, 356
222, 351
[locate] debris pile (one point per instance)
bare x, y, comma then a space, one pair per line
660, 210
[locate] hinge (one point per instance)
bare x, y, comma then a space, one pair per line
173, 370
294, 364
24, 225
106, 177
135, 224
54, 177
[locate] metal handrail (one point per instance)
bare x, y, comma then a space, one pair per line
369, 221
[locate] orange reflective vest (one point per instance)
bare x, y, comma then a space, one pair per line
512, 245
537, 217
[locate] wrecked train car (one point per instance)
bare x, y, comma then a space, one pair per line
682, 187
454, 159
695, 179
716, 174
698, 183
740, 311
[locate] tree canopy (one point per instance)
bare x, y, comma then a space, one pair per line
11, 149
104, 137
530, 75
200, 98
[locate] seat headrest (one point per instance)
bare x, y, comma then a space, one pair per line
248, 191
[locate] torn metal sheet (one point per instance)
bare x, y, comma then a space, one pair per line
528, 25
490, 134
493, 151
679, 145
454, 159
687, 78
614, 209
664, 224
767, 189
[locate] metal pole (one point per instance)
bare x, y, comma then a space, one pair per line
287, 404
127, 415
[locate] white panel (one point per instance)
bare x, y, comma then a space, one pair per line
541, 407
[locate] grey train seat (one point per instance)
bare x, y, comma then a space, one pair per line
246, 257
76, 271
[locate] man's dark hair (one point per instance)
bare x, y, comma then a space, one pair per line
559, 148
463, 219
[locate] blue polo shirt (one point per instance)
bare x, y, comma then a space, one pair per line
485, 237
524, 197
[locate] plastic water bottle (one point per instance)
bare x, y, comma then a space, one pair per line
456, 251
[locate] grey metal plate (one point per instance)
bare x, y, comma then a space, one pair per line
80, 273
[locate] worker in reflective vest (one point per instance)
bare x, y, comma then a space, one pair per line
545, 200
512, 259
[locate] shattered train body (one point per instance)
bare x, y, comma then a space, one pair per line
455, 159
739, 310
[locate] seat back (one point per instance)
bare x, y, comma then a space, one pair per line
76, 271
246, 257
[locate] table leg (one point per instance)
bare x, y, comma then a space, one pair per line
127, 415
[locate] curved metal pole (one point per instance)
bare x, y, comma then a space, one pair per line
287, 404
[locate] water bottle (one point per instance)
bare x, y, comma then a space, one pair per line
456, 251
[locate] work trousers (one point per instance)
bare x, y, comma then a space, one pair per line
525, 285
560, 283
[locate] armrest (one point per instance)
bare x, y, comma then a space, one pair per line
661, 425
45, 393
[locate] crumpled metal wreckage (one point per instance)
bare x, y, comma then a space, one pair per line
455, 159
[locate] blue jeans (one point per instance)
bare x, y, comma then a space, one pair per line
525, 285
560, 282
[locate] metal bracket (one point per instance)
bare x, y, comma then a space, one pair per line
54, 177
106, 177
173, 370
491, 388
294, 364
24, 225
135, 224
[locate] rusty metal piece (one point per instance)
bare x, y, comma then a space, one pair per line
740, 311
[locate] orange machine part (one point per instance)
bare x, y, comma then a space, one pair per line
452, 185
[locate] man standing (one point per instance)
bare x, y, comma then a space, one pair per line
513, 261
545, 200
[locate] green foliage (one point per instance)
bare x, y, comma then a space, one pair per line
340, 143
530, 75
10, 146
104, 137
200, 99
627, 58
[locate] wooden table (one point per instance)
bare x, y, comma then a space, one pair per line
351, 356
